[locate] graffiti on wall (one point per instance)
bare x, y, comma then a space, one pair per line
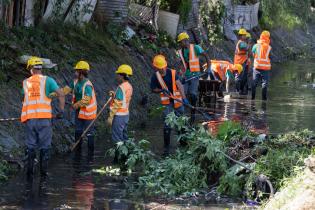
240, 16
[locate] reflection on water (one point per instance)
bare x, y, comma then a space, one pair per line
252, 114
72, 185
82, 181
291, 105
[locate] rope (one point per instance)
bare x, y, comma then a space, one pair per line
10, 119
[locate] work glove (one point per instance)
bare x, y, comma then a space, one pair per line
111, 93
66, 90
185, 101
52, 95
60, 115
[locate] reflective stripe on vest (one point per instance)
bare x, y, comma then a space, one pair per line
90, 111
261, 59
36, 104
240, 56
165, 99
180, 52
127, 91
194, 64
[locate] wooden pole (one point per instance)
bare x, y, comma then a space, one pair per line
90, 125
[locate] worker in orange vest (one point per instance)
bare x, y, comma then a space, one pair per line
262, 64
84, 103
225, 72
37, 114
119, 107
241, 57
249, 56
166, 83
190, 58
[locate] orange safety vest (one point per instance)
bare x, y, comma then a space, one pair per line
220, 67
261, 58
127, 91
194, 64
36, 104
88, 112
165, 99
240, 56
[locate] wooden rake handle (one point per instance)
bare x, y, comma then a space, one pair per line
90, 125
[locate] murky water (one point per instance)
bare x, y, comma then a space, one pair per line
72, 185
291, 105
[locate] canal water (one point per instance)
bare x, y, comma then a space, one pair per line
73, 185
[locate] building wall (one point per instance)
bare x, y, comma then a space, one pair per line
113, 10
193, 18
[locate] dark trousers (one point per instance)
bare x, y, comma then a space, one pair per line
38, 133
167, 129
120, 128
263, 76
242, 80
80, 126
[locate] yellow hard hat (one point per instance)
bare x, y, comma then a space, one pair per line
124, 69
242, 31
159, 62
265, 34
34, 62
238, 67
82, 65
182, 36
248, 35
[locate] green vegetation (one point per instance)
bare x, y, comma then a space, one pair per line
283, 13
297, 190
211, 18
63, 44
4, 168
204, 161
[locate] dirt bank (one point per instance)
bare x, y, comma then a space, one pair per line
298, 193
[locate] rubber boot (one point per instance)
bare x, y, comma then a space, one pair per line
90, 138
31, 154
167, 141
264, 93
253, 92
182, 140
193, 111
77, 136
43, 162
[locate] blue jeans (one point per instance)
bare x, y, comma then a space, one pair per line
191, 91
81, 125
38, 133
264, 76
242, 80
119, 128
191, 87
